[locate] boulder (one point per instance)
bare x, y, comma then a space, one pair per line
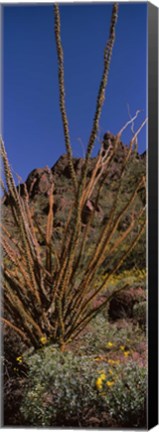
39, 181
121, 306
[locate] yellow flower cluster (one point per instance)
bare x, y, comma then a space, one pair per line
100, 358
110, 383
113, 362
99, 381
43, 340
110, 345
125, 352
122, 347
19, 359
102, 379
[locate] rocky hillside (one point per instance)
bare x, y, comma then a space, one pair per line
39, 182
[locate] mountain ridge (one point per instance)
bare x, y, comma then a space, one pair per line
40, 180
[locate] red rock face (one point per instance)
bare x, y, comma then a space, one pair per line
39, 181
88, 209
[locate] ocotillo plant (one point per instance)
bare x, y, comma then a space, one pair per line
51, 298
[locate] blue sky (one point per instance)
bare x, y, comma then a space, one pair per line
32, 128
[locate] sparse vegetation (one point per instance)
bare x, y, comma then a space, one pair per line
70, 390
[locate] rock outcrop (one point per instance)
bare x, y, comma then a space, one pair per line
40, 180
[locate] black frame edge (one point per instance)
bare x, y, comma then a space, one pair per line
152, 216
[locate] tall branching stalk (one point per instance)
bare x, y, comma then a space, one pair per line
51, 298
102, 88
62, 94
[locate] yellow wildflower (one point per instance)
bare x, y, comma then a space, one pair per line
103, 376
100, 358
110, 345
110, 371
110, 383
122, 348
19, 359
99, 381
43, 340
113, 362
126, 353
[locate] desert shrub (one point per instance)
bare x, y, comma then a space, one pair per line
139, 314
68, 390
126, 398
121, 305
12, 396
12, 343
14, 375
137, 257
60, 389
96, 339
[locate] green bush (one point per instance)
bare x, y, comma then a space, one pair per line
67, 390
60, 389
14, 374
100, 332
126, 399
139, 314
